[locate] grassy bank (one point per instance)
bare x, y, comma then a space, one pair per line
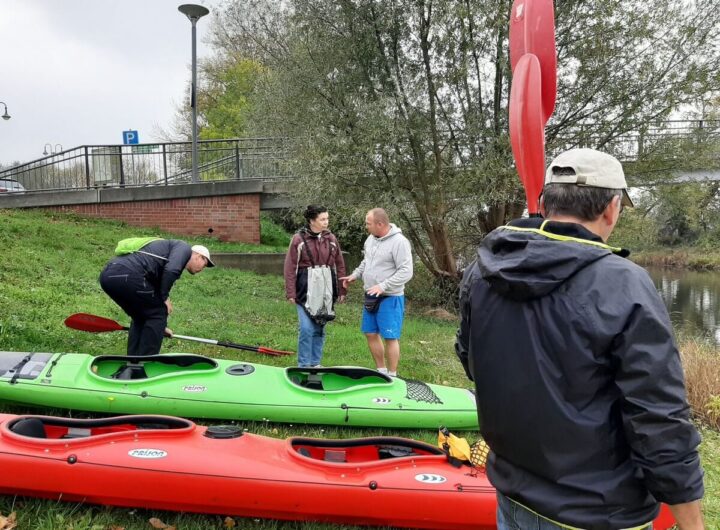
50, 269
695, 259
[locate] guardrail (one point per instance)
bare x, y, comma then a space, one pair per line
662, 139
99, 166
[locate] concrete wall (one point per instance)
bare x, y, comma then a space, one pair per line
265, 263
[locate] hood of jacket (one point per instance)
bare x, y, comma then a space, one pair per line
530, 258
394, 229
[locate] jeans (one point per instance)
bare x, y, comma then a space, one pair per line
514, 516
311, 339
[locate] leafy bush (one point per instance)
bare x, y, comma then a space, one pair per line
272, 233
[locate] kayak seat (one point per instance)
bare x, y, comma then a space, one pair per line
314, 382
335, 455
30, 427
394, 451
130, 371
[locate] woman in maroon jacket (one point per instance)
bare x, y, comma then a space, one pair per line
312, 246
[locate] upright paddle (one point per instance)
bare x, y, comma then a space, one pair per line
527, 133
533, 60
96, 324
532, 30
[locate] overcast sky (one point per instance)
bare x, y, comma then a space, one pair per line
76, 72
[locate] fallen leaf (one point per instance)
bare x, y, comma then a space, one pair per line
113, 527
157, 523
229, 522
9, 522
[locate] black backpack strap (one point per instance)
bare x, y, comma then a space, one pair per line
307, 250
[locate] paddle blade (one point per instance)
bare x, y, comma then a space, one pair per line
527, 130
270, 351
92, 323
532, 30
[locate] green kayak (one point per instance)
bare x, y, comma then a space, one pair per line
200, 387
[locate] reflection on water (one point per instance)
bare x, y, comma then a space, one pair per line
692, 298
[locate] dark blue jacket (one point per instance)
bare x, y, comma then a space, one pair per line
580, 389
161, 262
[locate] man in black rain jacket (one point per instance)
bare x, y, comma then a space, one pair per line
580, 389
140, 284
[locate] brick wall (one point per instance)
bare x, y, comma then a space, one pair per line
226, 217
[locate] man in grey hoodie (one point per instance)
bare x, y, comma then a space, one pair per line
385, 269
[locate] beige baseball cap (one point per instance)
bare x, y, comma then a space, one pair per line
203, 251
588, 167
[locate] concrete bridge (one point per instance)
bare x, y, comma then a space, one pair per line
151, 185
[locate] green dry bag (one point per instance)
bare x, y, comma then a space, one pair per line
133, 244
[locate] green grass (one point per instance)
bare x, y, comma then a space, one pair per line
49, 270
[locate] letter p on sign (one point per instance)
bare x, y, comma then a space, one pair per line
130, 137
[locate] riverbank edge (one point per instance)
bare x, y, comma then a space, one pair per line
678, 258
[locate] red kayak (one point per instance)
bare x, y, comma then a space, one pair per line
168, 463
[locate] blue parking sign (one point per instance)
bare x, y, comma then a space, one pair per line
130, 137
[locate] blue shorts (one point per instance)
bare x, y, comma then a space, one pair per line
387, 320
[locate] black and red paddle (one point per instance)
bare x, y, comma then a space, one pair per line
532, 97
96, 324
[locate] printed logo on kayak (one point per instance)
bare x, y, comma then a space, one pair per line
382, 400
430, 478
147, 453
194, 388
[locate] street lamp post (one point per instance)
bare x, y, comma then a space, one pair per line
194, 13
5, 116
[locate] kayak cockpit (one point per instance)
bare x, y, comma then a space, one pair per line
126, 367
335, 378
51, 428
362, 450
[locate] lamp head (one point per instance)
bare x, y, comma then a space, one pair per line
193, 11
6, 116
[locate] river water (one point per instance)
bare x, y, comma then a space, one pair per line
693, 301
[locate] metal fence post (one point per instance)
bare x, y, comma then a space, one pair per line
237, 159
165, 163
122, 171
87, 168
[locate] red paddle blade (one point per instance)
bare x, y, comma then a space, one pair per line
532, 30
92, 323
270, 351
527, 130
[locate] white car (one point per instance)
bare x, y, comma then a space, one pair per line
11, 186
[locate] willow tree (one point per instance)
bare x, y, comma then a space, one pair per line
403, 103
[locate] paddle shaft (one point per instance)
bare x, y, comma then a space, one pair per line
96, 324
226, 344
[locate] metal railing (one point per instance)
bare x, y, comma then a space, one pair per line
659, 139
100, 166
